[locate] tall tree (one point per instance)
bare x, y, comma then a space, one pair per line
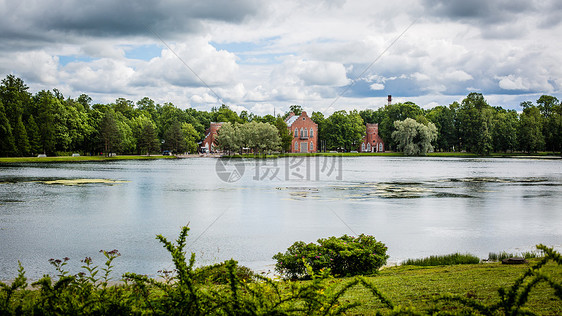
190, 137
444, 119
504, 134
174, 141
320, 120
531, 137
148, 140
414, 138
285, 137
110, 134
549, 107
475, 122
34, 136
7, 146
395, 112
228, 138
15, 97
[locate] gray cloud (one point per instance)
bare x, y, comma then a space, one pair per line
61, 21
486, 12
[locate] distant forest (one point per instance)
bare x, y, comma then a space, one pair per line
48, 123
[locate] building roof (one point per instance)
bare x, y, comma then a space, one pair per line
291, 120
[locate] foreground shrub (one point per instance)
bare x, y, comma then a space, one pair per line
218, 273
341, 256
455, 258
179, 292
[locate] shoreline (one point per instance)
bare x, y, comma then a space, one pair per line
15, 160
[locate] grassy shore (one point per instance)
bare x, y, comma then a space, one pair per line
417, 286
80, 158
398, 154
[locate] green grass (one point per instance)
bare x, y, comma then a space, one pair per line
80, 158
416, 286
451, 259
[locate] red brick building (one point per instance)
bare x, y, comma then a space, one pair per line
208, 144
372, 142
304, 131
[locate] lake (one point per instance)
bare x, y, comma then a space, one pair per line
251, 209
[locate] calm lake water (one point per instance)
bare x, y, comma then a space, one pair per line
251, 209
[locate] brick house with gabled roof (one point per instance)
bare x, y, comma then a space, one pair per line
304, 132
372, 142
208, 144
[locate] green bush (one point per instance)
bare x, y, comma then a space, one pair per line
218, 273
455, 258
341, 256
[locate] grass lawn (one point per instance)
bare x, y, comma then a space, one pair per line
417, 286
80, 158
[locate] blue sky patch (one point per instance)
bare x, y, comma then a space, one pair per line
143, 52
65, 60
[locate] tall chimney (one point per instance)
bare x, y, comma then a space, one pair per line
389, 99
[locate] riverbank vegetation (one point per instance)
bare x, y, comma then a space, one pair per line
80, 158
227, 289
49, 123
455, 258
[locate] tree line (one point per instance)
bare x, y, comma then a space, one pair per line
49, 123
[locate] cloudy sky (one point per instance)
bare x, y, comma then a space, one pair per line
260, 55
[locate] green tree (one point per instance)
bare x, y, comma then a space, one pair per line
531, 138
110, 134
85, 101
224, 114
475, 124
124, 106
174, 140
344, 131
444, 119
128, 142
296, 109
414, 138
190, 136
34, 136
320, 120
22, 142
148, 139
227, 138
506, 126
395, 112
16, 98
7, 146
285, 137
266, 137
549, 107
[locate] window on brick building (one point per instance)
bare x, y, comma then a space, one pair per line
311, 146
305, 133
363, 147
311, 132
296, 132
296, 146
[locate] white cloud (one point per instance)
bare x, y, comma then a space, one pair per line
38, 66
377, 86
